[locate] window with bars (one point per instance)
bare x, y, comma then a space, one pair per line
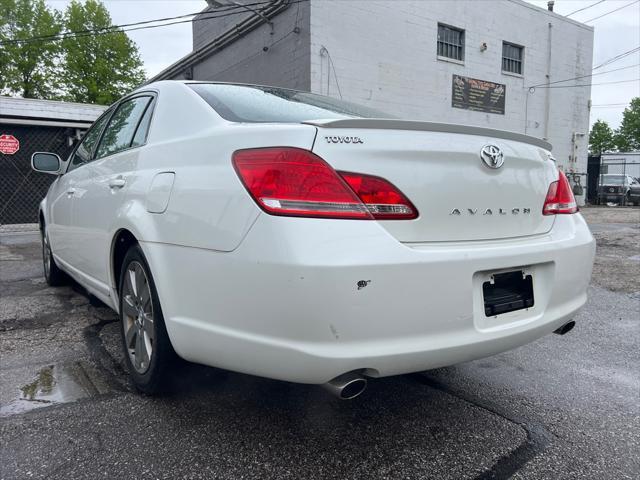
512, 58
450, 42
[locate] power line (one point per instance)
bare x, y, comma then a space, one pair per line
234, 9
617, 57
584, 76
219, 13
610, 12
592, 84
116, 28
610, 105
93, 33
58, 36
584, 8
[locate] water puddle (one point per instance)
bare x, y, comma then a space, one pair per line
55, 384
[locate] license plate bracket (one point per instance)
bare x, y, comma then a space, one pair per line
507, 292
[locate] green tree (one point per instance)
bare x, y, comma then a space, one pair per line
601, 138
98, 68
29, 69
627, 137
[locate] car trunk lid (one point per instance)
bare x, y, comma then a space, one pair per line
459, 195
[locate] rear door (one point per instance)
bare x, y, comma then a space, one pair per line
103, 185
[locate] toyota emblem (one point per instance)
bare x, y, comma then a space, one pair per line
492, 156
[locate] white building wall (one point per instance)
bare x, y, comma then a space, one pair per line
383, 54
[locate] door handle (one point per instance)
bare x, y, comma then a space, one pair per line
71, 192
117, 182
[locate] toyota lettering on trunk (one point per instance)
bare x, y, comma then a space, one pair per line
341, 139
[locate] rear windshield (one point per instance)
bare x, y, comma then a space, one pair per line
612, 179
255, 104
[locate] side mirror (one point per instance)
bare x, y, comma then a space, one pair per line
45, 162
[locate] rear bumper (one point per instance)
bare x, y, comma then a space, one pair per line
286, 303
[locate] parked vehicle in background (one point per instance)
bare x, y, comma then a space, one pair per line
634, 192
299, 237
618, 188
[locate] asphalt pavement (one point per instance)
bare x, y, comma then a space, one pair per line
561, 407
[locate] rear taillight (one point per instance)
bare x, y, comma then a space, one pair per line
295, 182
382, 198
560, 197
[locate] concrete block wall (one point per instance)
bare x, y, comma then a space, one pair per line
383, 54
285, 63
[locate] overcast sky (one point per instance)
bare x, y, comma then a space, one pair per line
614, 34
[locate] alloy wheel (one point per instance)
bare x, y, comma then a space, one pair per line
137, 317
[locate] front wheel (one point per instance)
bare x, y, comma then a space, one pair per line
148, 352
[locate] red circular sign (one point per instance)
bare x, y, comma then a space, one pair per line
9, 144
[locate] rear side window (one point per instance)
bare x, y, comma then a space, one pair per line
140, 136
119, 133
256, 104
84, 152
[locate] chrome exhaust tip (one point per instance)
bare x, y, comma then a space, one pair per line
347, 386
566, 328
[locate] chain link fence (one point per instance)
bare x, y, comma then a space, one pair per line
22, 189
607, 182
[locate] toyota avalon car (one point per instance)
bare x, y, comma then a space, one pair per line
303, 238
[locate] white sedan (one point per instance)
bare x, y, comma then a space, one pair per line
298, 237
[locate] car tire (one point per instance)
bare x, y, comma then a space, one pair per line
148, 352
52, 274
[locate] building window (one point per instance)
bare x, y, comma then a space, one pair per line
450, 42
512, 58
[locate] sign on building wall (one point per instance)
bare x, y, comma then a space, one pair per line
477, 95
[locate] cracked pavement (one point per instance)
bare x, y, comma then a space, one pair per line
562, 407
